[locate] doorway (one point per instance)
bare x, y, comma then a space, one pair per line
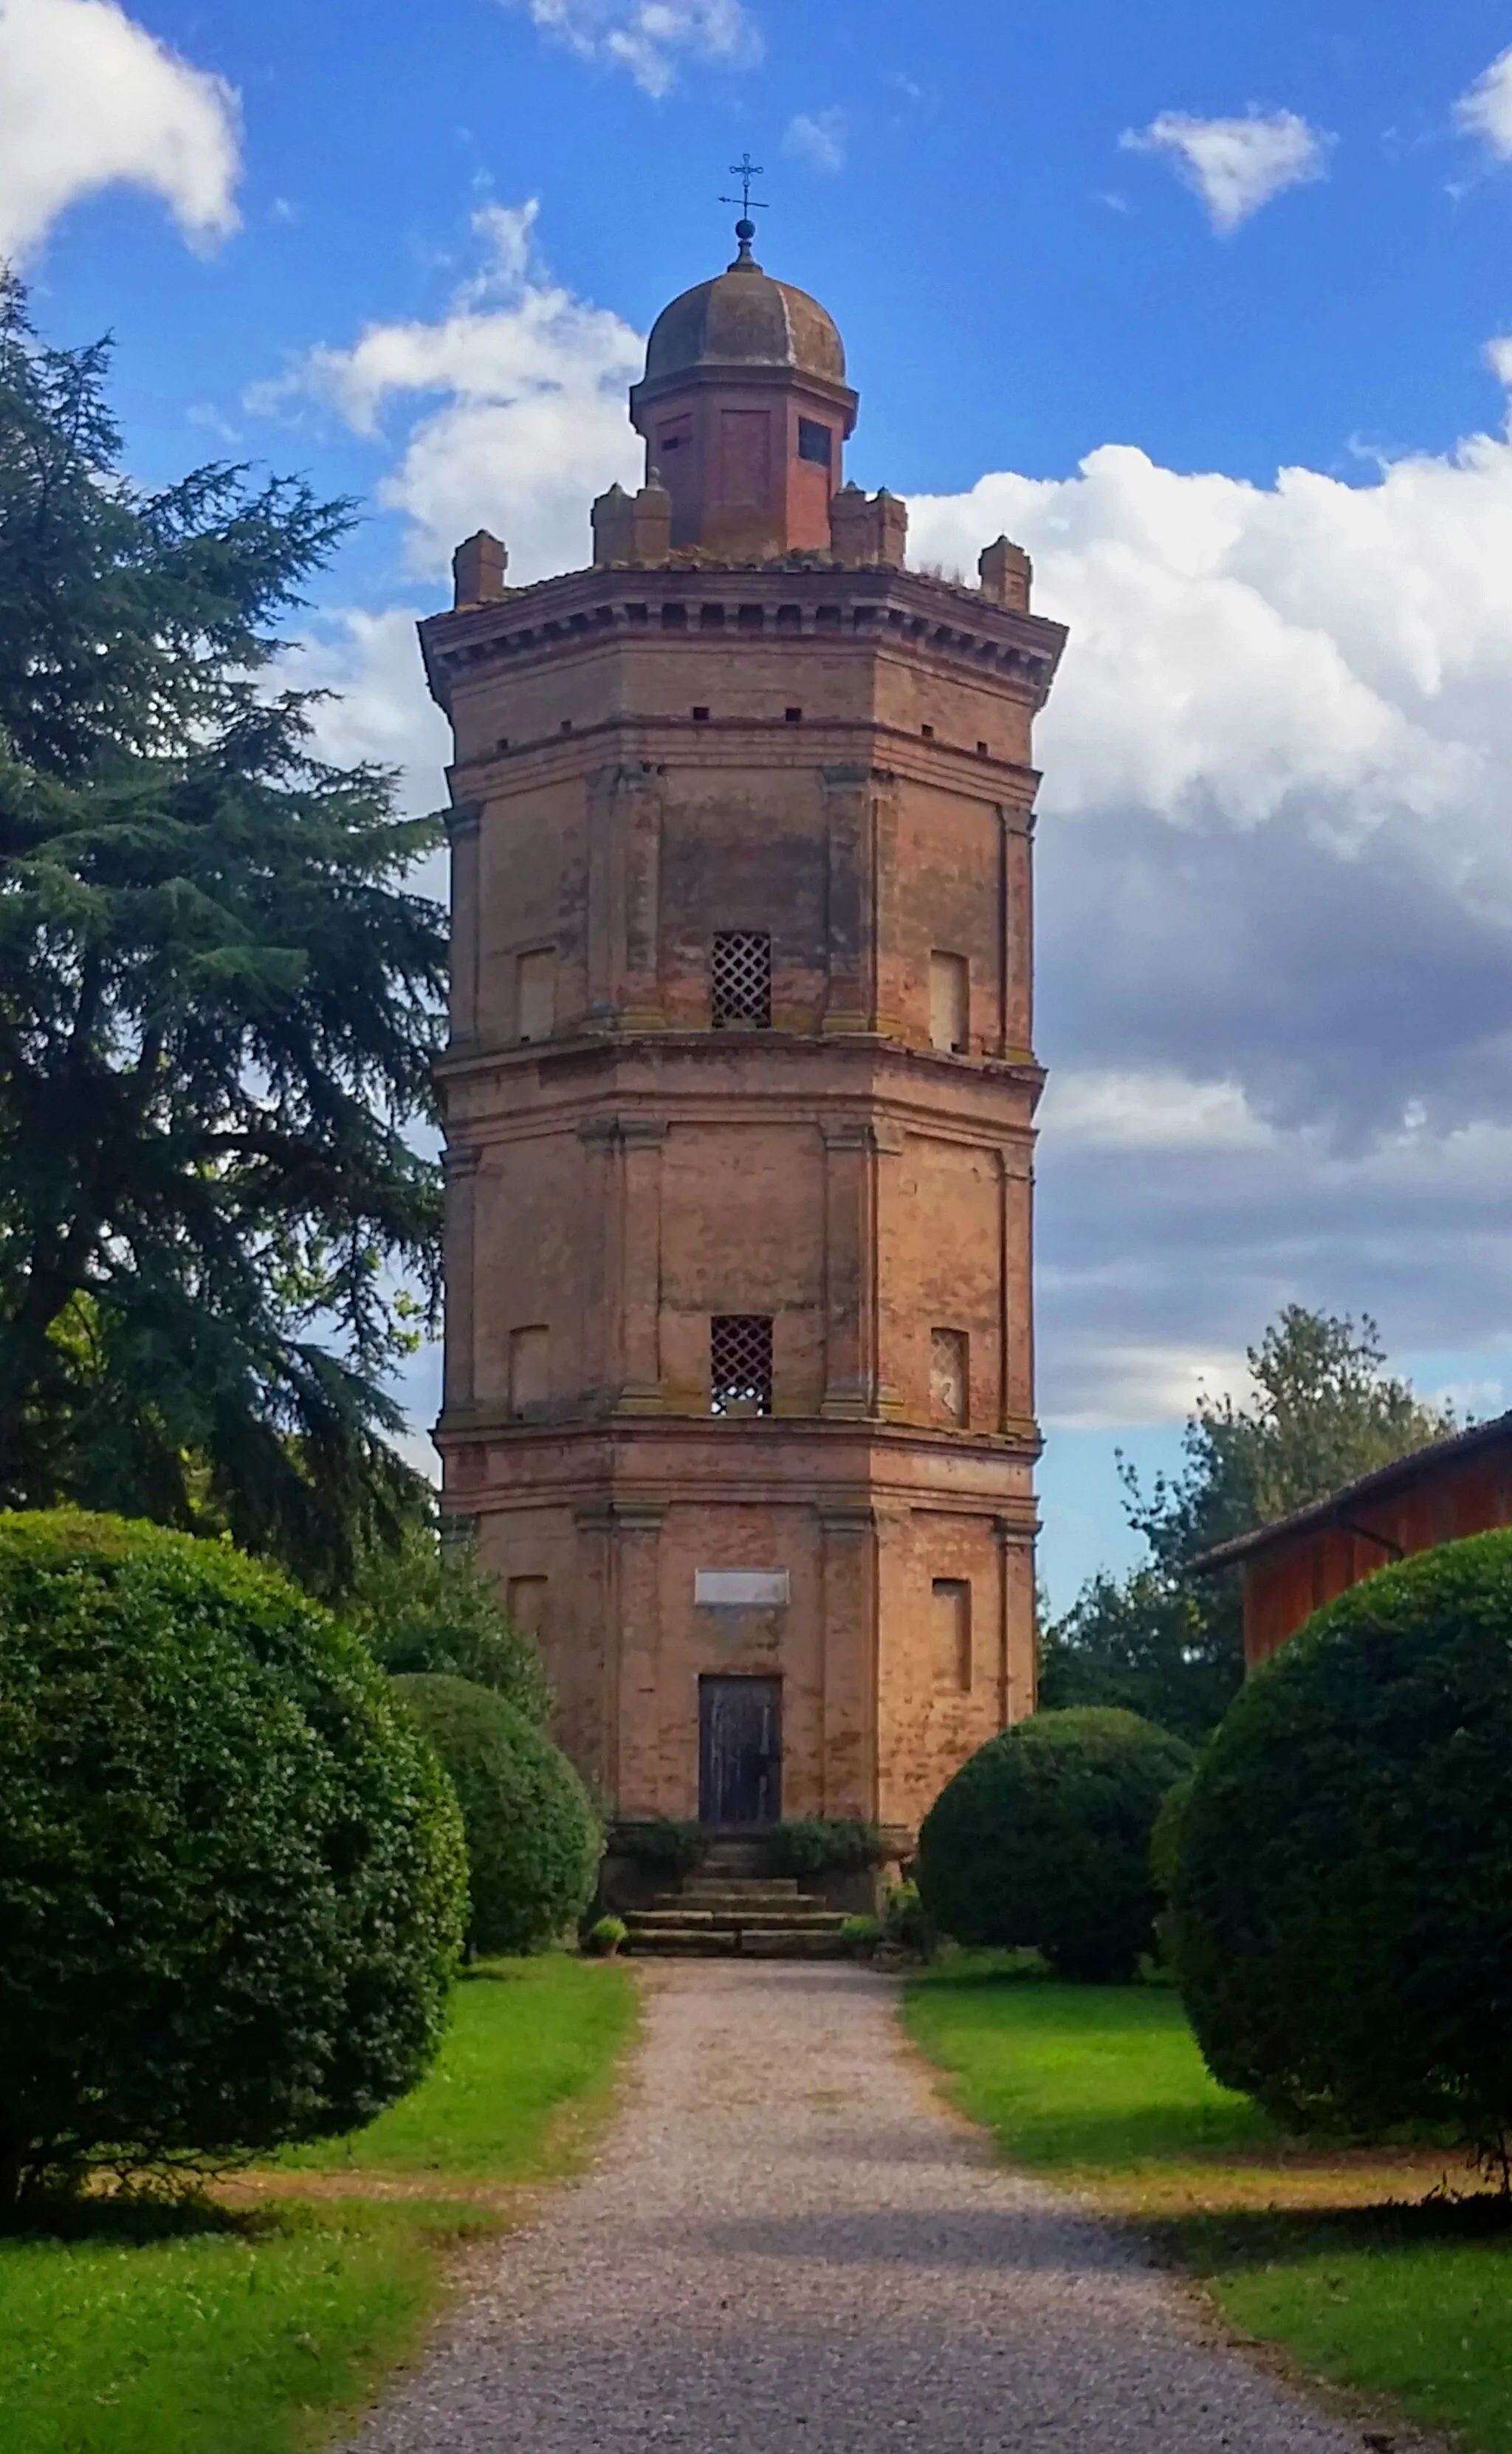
739, 1751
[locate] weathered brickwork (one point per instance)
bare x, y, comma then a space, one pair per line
689, 792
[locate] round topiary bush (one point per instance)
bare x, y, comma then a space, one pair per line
534, 1841
1043, 1838
1342, 1903
231, 1878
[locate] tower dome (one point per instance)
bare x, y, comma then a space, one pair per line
745, 410
740, 318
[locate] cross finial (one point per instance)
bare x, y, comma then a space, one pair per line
745, 170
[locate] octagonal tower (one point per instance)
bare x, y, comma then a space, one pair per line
740, 1386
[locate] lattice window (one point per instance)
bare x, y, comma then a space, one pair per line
740, 1364
740, 980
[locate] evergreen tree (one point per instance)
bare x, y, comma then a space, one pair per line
1170, 1645
218, 1004
423, 1604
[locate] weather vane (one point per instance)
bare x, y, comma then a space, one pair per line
745, 170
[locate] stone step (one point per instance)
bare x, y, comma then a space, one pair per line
738, 1904
776, 1887
688, 1942
724, 1942
672, 1917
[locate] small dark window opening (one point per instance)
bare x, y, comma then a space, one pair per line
793, 714
671, 443
740, 980
675, 618
816, 442
711, 617
501, 745
981, 750
927, 731
740, 1364
701, 715
566, 724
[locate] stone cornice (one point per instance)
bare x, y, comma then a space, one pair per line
802, 599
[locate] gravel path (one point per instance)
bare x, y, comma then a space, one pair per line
788, 2245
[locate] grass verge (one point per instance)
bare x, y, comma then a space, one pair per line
255, 2322
1338, 2255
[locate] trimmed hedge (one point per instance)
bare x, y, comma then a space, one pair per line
230, 1878
534, 1841
824, 1844
1043, 1838
1342, 1905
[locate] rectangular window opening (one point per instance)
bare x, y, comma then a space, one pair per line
816, 442
792, 716
529, 1357
536, 994
701, 715
740, 980
951, 1613
525, 1604
949, 1377
981, 750
740, 1364
926, 732
949, 1003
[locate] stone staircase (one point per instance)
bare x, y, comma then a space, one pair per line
721, 1912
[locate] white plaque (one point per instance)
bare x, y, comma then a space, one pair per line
740, 1588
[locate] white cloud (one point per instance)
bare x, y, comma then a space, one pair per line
516, 402
88, 99
649, 38
1159, 1110
1236, 165
1486, 111
818, 138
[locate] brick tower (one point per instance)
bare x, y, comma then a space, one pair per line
740, 1386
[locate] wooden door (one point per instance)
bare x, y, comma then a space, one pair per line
740, 1750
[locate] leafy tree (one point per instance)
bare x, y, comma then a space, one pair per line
1043, 1838
218, 1004
231, 1878
1341, 1908
1170, 1645
424, 1604
1147, 1643
533, 1838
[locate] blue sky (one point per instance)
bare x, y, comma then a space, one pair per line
1103, 272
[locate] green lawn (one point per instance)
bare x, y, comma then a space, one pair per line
553, 2026
254, 2325
1331, 2254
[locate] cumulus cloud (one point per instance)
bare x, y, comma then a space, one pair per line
649, 38
1276, 903
1486, 111
88, 99
512, 405
1235, 165
818, 138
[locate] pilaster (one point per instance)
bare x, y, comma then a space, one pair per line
463, 825
848, 1600
460, 1266
849, 1267
850, 934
